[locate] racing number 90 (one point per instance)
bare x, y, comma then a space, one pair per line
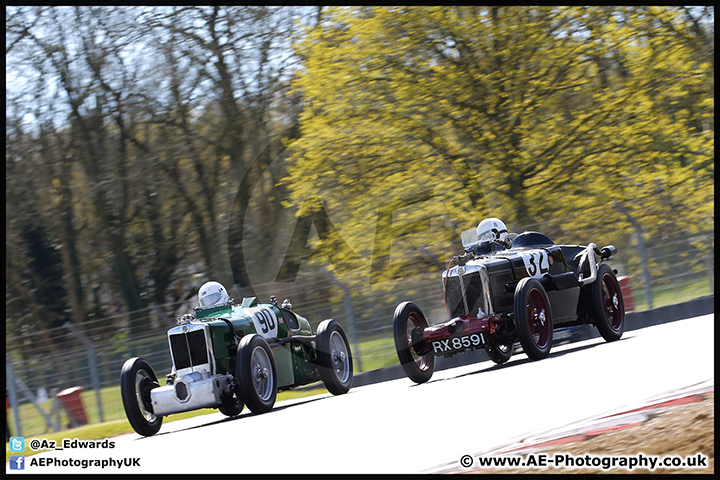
265, 319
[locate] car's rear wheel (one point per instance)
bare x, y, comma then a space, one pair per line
334, 357
137, 379
500, 353
533, 318
608, 308
256, 373
409, 317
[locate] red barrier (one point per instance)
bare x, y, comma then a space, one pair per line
626, 293
71, 401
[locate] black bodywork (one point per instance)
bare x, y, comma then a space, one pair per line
505, 267
498, 294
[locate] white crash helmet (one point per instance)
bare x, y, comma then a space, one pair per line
212, 293
491, 229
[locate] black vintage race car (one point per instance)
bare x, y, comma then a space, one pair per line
497, 294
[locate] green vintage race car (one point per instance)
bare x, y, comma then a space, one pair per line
227, 356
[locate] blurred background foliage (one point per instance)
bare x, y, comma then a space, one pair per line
556, 112
335, 152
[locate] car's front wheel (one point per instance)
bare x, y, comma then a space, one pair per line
533, 318
334, 357
608, 308
408, 318
256, 374
232, 410
500, 353
137, 379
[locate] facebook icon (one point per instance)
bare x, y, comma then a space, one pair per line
17, 462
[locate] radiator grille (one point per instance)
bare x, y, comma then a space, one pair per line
189, 349
465, 298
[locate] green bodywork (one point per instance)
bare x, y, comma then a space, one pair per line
293, 360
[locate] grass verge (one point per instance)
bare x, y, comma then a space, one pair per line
114, 428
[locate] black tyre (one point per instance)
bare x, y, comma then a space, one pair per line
500, 353
232, 410
533, 318
334, 357
232, 404
607, 305
137, 379
256, 373
408, 317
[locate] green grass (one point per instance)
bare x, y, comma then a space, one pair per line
671, 294
377, 353
113, 428
34, 424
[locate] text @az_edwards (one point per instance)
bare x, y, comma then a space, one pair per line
68, 443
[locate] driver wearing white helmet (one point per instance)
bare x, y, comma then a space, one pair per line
212, 294
495, 229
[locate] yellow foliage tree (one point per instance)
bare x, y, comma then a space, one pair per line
420, 121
